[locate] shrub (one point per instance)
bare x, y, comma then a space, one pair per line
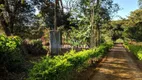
10, 52
119, 41
140, 54
61, 67
108, 40
35, 47
135, 49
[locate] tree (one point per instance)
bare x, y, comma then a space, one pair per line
117, 29
15, 15
100, 13
134, 30
134, 33
93, 15
47, 11
135, 17
140, 3
69, 5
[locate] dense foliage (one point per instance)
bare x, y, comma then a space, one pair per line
16, 15
10, 52
140, 3
127, 29
82, 22
35, 47
88, 17
135, 49
61, 67
135, 32
134, 24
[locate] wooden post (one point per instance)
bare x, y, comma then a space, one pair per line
55, 15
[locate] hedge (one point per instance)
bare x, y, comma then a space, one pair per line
135, 49
61, 67
10, 53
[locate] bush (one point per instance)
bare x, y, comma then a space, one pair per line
61, 67
135, 49
108, 40
10, 52
119, 41
35, 47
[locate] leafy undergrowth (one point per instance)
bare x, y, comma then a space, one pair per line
35, 47
11, 58
135, 49
119, 41
10, 53
62, 67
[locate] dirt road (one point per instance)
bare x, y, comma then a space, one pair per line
117, 66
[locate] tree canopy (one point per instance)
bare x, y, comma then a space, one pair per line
15, 15
140, 3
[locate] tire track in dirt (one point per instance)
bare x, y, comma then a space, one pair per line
117, 66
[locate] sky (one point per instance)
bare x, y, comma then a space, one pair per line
126, 7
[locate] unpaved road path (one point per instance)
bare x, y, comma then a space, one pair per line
118, 65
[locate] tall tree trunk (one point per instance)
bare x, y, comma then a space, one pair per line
95, 31
8, 27
92, 37
94, 27
97, 35
11, 23
6, 22
4, 25
55, 15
